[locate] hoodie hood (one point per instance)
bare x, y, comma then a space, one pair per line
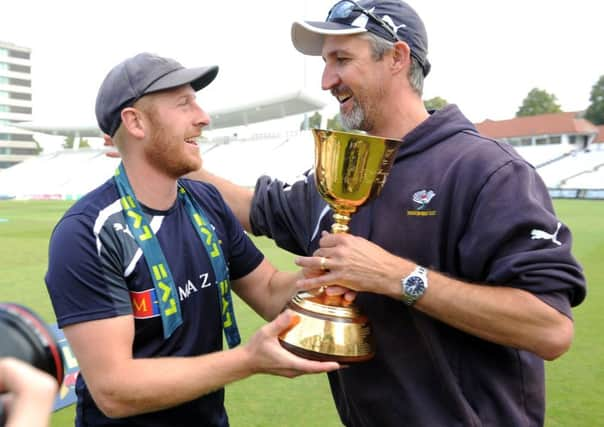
440, 126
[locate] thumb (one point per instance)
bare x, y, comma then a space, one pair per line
282, 323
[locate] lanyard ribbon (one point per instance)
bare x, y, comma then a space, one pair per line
163, 281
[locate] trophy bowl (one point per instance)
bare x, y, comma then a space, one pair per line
350, 169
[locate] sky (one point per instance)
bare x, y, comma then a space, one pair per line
486, 55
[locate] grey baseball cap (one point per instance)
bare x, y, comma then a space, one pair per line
140, 75
389, 19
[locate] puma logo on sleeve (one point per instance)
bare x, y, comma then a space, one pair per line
540, 234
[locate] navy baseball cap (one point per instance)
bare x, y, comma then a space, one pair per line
140, 75
392, 20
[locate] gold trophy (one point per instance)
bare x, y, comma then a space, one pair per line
350, 169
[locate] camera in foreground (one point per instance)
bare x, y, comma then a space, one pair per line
25, 336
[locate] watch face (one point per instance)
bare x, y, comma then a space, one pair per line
414, 286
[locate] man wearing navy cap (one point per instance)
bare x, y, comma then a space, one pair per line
461, 264
140, 269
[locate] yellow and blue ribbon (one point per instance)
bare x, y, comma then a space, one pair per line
163, 282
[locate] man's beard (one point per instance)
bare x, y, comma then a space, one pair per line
354, 119
168, 155
366, 111
361, 116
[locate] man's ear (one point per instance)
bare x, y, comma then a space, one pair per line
401, 57
132, 121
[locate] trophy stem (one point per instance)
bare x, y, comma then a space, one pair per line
341, 221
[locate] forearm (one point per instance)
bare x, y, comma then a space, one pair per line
136, 386
122, 386
500, 314
504, 315
238, 198
267, 290
282, 288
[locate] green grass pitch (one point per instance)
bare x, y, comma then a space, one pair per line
575, 382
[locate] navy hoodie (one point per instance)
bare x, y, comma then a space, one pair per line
464, 205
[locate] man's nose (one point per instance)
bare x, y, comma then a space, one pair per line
330, 78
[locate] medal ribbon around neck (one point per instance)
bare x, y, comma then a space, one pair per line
160, 273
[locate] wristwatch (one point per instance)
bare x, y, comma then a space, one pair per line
414, 285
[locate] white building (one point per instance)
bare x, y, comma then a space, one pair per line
16, 145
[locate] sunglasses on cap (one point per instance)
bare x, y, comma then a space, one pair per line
343, 10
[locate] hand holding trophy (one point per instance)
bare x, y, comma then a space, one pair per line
350, 169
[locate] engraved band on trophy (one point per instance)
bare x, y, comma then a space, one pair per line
350, 169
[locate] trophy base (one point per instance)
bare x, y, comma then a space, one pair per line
328, 333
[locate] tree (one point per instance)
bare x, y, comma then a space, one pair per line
314, 121
334, 123
70, 141
538, 102
595, 111
435, 103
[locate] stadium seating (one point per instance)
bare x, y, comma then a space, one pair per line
540, 155
64, 174
571, 167
243, 161
69, 174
